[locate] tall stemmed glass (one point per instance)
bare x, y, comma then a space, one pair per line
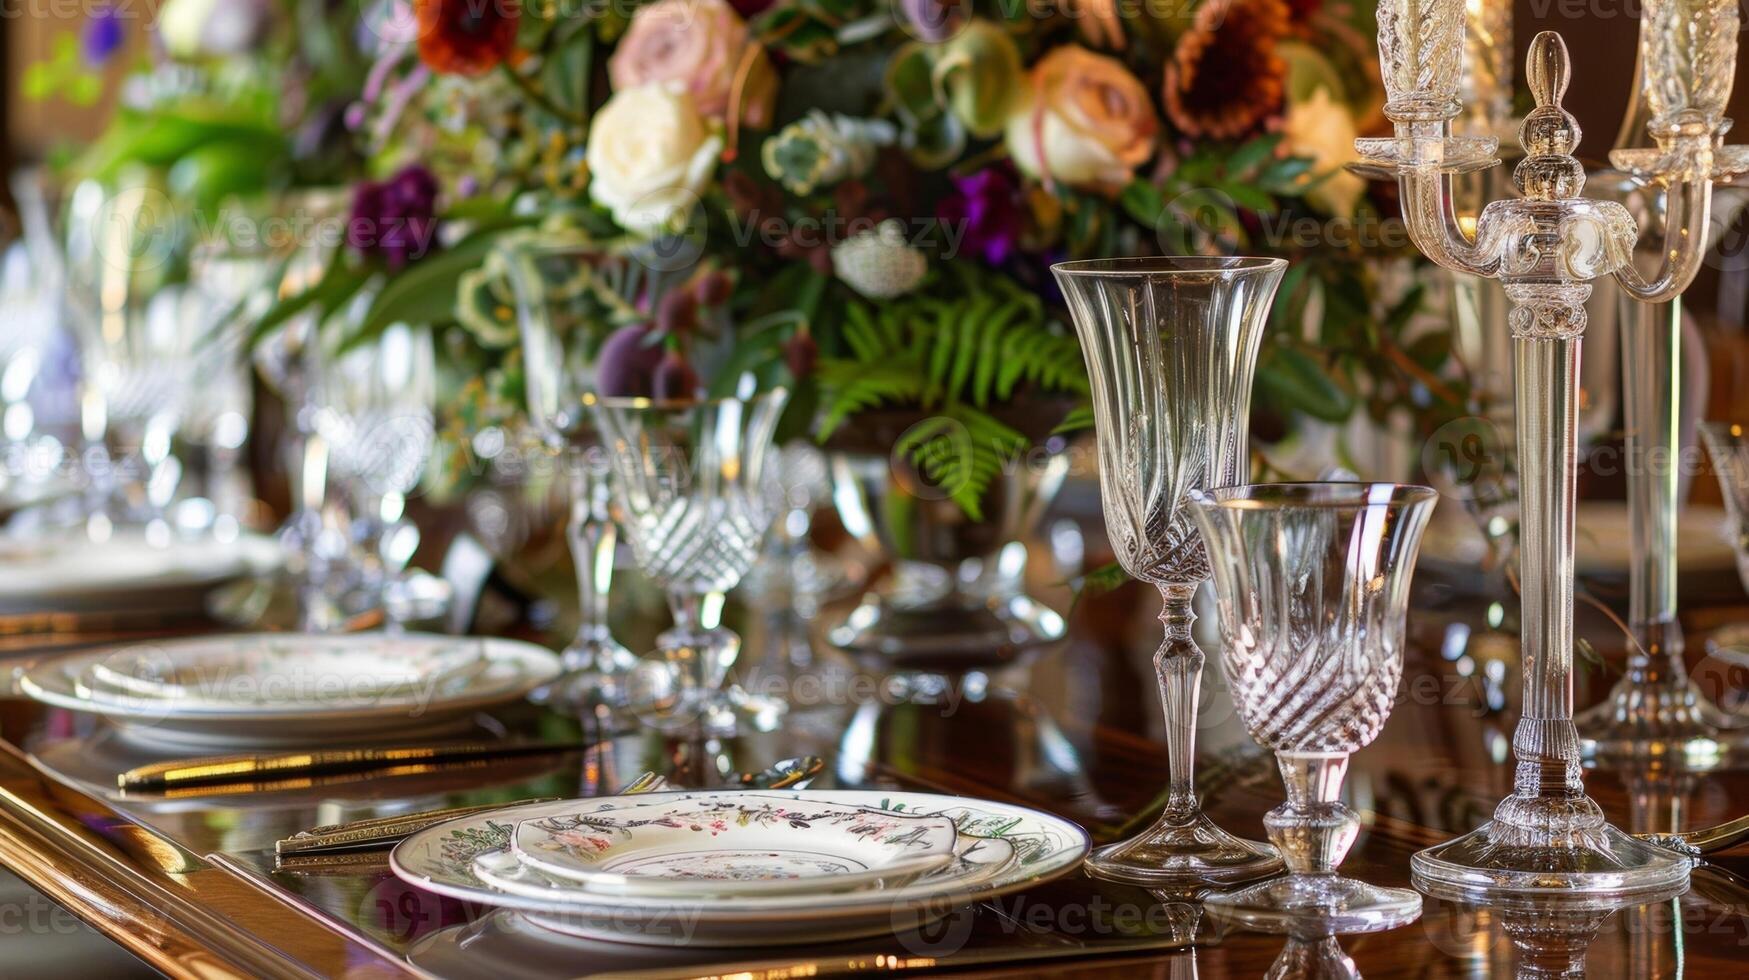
377, 407
687, 476
566, 313
1171, 346
1312, 581
137, 332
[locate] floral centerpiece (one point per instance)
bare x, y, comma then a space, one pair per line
856, 199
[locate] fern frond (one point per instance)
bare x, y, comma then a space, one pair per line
963, 451
853, 386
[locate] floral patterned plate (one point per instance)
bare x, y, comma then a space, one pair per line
1002, 848
737, 845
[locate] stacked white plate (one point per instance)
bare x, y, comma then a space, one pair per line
73, 573
741, 867
262, 689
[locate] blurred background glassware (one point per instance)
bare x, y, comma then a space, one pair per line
288, 358
1728, 444
798, 481
688, 480
138, 326
569, 300
1171, 346
377, 405
236, 285
34, 466
928, 615
1312, 582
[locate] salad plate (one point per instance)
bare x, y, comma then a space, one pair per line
1000, 848
753, 845
254, 690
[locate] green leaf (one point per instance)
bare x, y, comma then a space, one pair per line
425, 292
1252, 153
1295, 381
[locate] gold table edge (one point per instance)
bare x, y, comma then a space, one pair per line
165, 917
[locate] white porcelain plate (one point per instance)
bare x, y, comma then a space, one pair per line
251, 690
1001, 848
751, 845
75, 573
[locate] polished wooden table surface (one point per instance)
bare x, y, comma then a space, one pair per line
189, 884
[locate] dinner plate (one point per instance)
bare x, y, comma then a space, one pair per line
1013, 848
751, 845
285, 671
280, 715
74, 573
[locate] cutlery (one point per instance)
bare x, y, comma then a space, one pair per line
381, 832
378, 833
1707, 840
263, 767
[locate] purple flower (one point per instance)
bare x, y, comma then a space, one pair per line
986, 206
102, 36
932, 21
395, 219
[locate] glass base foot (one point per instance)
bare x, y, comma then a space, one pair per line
1670, 721
958, 632
1316, 904
1501, 858
1179, 850
594, 672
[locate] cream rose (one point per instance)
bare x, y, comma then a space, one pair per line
1322, 130
650, 155
1086, 121
702, 46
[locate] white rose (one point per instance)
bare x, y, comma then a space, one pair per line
1322, 130
650, 155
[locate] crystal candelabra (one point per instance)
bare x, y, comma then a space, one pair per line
1683, 77
1546, 248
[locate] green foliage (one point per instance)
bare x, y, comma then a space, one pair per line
958, 352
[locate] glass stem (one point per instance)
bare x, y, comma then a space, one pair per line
1179, 666
593, 537
1653, 339
1546, 744
1313, 830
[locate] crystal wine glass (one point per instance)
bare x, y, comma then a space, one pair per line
1171, 345
377, 407
567, 304
1313, 588
137, 332
687, 480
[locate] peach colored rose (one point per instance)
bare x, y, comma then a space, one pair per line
703, 47
1085, 120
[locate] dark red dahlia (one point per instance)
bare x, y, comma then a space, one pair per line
466, 37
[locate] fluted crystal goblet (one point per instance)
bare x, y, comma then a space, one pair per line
1312, 581
686, 479
1171, 346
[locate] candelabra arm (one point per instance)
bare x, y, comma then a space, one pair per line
1430, 211
1688, 210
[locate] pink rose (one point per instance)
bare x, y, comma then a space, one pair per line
702, 46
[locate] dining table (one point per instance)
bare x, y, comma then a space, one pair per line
188, 881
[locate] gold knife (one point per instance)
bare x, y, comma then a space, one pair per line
258, 768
